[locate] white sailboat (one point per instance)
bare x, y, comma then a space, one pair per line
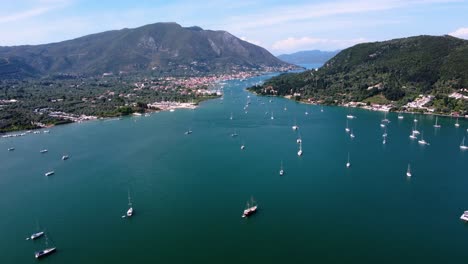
408, 171
272, 117
348, 164
436, 123
299, 153
422, 141
295, 126
413, 135
347, 127
400, 116
231, 117
321, 109
415, 131
351, 135
385, 120
299, 139
462, 145
281, 172
130, 209
47, 251
242, 146
457, 124
384, 141
350, 116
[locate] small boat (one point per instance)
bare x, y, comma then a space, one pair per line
46, 251
46, 131
43, 151
351, 135
49, 173
415, 131
464, 216
436, 123
321, 109
385, 120
36, 235
350, 116
348, 164
422, 141
462, 145
408, 171
457, 124
295, 127
272, 117
385, 133
65, 157
234, 134
384, 141
242, 146
11, 149
130, 209
281, 172
172, 110
415, 120
299, 140
250, 209
231, 116
413, 135
347, 127
188, 132
299, 153
382, 125
400, 116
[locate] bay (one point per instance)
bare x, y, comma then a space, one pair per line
189, 191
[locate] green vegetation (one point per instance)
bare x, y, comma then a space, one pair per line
397, 70
38, 99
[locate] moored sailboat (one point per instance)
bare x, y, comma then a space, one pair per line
250, 209
462, 145
408, 171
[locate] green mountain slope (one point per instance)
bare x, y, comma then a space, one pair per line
162, 48
396, 70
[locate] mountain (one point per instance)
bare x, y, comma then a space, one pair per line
397, 70
163, 48
308, 56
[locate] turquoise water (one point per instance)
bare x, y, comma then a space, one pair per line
189, 191
310, 66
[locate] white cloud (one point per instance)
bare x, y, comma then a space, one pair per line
255, 42
24, 14
460, 33
307, 43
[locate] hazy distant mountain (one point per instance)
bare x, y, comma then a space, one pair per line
162, 48
308, 56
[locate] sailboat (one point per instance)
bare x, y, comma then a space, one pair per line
272, 117
295, 126
436, 123
250, 209
47, 251
307, 111
382, 125
464, 216
352, 134
462, 145
400, 116
11, 149
385, 120
299, 139
422, 141
188, 132
348, 164
457, 124
415, 131
299, 153
385, 133
281, 172
231, 116
408, 171
349, 116
321, 109
130, 209
234, 134
347, 127
242, 146
384, 139
413, 135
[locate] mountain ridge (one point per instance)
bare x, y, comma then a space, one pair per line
161, 48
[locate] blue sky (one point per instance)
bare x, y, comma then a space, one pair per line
279, 26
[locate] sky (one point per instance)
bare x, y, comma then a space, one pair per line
277, 25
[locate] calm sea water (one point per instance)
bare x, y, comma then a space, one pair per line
189, 190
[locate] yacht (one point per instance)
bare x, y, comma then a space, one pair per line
350, 116
347, 127
415, 131
11, 149
422, 141
462, 145
408, 171
457, 124
43, 151
299, 153
130, 209
49, 173
250, 209
65, 157
436, 123
400, 116
46, 131
46, 251
413, 135
36, 235
348, 164
352, 134
385, 133
281, 172
464, 216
